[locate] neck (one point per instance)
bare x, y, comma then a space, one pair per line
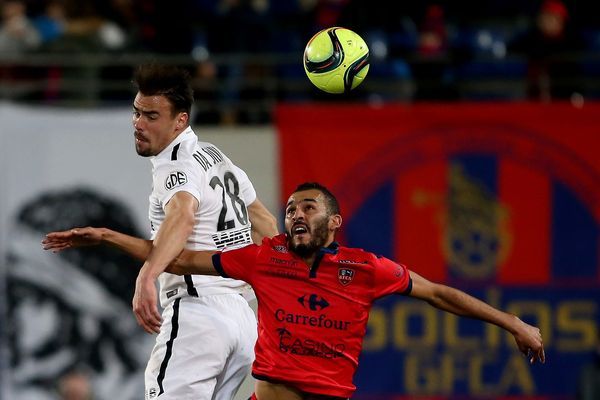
310, 260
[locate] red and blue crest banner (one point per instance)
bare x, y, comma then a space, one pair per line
500, 200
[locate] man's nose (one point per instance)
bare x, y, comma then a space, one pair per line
137, 122
298, 214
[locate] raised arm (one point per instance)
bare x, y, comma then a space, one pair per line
527, 337
264, 224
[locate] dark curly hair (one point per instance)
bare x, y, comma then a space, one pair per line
332, 204
169, 81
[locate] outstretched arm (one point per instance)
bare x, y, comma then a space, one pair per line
188, 261
191, 262
89, 236
527, 337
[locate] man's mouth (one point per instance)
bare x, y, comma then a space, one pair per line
299, 229
139, 138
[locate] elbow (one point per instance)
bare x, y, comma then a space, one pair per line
179, 265
265, 227
272, 224
438, 296
174, 269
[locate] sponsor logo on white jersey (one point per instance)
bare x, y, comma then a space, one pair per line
175, 179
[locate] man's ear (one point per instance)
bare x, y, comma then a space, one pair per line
335, 222
182, 120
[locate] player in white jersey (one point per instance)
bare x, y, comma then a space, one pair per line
200, 200
221, 220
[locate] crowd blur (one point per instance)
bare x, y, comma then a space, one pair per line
245, 54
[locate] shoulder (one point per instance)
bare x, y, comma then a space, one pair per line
357, 254
276, 243
277, 240
364, 259
210, 149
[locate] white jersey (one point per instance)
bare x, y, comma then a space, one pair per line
223, 192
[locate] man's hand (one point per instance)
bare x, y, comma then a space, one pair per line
75, 237
144, 303
529, 341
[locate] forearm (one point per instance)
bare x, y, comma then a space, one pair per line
463, 304
135, 247
167, 245
193, 262
267, 228
264, 224
528, 338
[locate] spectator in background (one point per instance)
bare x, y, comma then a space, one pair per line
433, 33
432, 62
328, 12
79, 27
550, 46
243, 28
84, 28
17, 33
206, 91
165, 27
17, 36
51, 22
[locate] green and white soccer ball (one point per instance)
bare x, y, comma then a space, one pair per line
336, 60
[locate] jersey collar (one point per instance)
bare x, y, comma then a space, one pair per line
332, 249
187, 134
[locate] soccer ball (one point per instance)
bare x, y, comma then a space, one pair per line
336, 60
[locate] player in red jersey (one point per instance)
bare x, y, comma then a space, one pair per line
314, 297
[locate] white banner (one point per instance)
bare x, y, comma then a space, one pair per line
70, 312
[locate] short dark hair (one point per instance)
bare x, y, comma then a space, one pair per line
169, 81
332, 204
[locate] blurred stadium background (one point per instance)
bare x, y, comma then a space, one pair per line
469, 153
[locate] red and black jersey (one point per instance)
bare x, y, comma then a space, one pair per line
312, 319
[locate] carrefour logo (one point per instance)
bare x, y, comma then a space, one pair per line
313, 302
322, 321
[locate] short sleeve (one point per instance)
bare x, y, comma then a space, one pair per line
237, 263
173, 177
391, 277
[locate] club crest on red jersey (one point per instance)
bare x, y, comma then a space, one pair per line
345, 275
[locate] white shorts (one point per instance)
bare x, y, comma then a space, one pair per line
204, 350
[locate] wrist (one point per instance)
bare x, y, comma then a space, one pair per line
514, 324
104, 235
147, 272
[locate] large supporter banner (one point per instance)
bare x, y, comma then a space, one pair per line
500, 200
68, 314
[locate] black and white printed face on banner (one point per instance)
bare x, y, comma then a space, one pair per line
71, 311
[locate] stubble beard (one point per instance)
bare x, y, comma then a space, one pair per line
142, 153
319, 237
